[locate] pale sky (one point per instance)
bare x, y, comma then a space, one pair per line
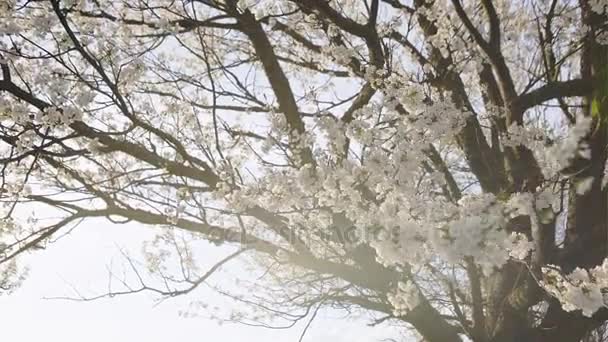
81, 259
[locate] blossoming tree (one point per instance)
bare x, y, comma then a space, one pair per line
440, 163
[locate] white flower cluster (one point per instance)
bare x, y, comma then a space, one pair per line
341, 55
580, 290
520, 246
477, 232
584, 185
53, 116
132, 73
405, 298
8, 24
165, 25
259, 8
437, 121
605, 176
404, 244
14, 111
475, 229
334, 132
523, 136
11, 277
529, 204
602, 38
26, 141
561, 154
598, 6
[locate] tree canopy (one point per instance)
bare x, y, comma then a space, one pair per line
441, 163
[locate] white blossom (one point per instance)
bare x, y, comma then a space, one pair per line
405, 298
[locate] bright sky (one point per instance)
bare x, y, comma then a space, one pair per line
80, 260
